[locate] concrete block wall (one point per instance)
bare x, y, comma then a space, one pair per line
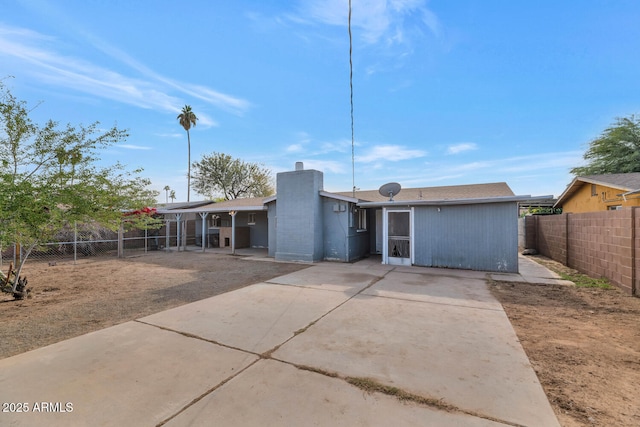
552, 236
636, 253
599, 244
298, 219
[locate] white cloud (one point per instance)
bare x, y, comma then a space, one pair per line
150, 91
376, 21
459, 148
518, 164
294, 148
134, 147
340, 146
325, 166
170, 135
391, 153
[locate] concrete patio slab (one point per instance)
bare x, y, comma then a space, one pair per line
334, 277
291, 396
127, 375
436, 333
432, 287
532, 272
255, 319
469, 357
463, 274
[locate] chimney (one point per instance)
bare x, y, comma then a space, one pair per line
299, 166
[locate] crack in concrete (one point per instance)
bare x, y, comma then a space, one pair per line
366, 384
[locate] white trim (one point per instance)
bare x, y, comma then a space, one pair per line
412, 255
338, 197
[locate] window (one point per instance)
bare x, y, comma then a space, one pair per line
594, 190
214, 221
614, 208
252, 218
362, 219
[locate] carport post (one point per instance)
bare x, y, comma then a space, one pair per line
178, 217
203, 215
233, 232
167, 240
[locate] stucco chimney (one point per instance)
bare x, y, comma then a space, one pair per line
299, 166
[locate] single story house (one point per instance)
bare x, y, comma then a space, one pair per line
465, 226
595, 193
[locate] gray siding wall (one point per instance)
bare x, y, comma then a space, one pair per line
476, 237
258, 232
358, 245
299, 226
271, 213
336, 229
342, 241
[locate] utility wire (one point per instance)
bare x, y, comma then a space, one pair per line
353, 162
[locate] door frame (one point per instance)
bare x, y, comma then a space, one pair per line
386, 259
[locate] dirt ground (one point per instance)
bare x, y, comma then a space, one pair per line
68, 300
584, 344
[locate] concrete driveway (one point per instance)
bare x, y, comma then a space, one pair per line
333, 344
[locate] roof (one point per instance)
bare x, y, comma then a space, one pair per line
449, 192
625, 182
243, 204
456, 194
182, 205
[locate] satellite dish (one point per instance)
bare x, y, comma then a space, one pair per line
390, 189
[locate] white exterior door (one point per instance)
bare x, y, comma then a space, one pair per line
398, 232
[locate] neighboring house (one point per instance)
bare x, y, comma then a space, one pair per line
600, 193
463, 226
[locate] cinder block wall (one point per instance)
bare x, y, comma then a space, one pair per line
552, 236
299, 216
599, 244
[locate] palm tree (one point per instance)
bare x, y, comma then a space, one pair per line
172, 195
166, 192
187, 118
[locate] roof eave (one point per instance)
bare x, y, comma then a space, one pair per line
215, 209
338, 197
442, 202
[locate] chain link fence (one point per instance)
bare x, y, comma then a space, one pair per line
76, 244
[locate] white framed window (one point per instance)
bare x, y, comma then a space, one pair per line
614, 208
361, 219
251, 218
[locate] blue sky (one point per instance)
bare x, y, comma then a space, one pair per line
445, 92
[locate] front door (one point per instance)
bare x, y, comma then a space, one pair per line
397, 249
